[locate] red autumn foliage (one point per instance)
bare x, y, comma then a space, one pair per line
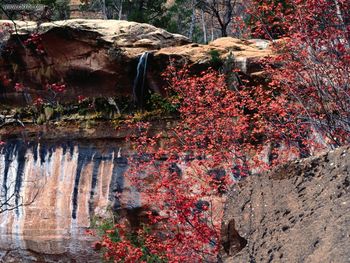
184, 172
81, 98
269, 18
34, 42
56, 87
223, 133
314, 64
38, 102
53, 91
19, 87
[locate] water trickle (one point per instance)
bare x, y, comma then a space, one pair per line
68, 146
85, 156
12, 174
96, 166
21, 160
140, 80
8, 152
35, 150
118, 181
42, 153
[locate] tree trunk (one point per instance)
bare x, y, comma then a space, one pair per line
204, 27
341, 20
339, 13
212, 28
103, 9
223, 32
120, 13
193, 21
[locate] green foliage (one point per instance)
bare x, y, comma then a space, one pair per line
177, 18
59, 8
90, 110
49, 112
215, 59
174, 18
41, 119
102, 225
145, 11
158, 102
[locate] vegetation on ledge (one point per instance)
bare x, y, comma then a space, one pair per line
87, 110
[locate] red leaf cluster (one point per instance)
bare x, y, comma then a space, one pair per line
34, 41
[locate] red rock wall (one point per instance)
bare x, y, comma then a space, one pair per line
69, 185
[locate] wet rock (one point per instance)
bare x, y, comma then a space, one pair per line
64, 186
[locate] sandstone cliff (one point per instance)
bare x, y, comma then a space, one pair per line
99, 57
66, 186
299, 212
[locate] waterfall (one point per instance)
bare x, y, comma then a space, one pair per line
140, 80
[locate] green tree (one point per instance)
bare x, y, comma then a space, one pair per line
39, 10
178, 17
58, 9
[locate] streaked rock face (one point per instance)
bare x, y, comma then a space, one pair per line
67, 185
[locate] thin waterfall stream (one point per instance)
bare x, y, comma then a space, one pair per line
140, 80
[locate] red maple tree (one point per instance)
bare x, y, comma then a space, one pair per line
223, 134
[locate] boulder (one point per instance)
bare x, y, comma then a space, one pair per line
299, 212
119, 32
